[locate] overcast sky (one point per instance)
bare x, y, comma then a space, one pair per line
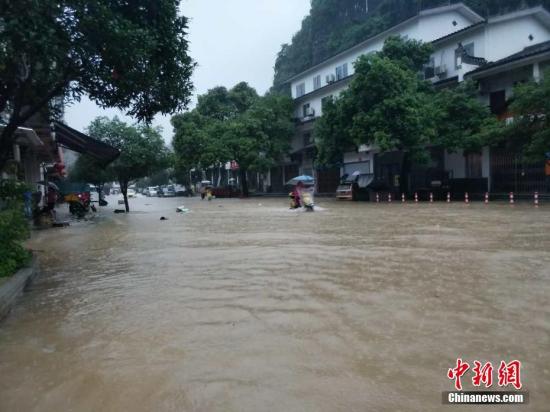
231, 41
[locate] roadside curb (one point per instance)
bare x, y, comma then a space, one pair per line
14, 286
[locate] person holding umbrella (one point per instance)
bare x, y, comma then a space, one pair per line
297, 198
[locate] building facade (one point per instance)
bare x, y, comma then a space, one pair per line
497, 53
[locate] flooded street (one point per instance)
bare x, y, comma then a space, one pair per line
247, 306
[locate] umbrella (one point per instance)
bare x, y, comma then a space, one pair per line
304, 179
49, 184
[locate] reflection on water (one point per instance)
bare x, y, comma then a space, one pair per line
238, 306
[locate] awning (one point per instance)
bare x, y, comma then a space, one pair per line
81, 143
25, 136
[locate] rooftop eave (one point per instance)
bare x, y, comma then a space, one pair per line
460, 7
451, 37
481, 73
327, 88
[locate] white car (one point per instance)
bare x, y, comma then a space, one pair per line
151, 191
131, 193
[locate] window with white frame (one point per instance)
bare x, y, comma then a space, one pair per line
317, 82
342, 71
300, 89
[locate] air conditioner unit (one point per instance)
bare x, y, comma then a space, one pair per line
331, 78
439, 70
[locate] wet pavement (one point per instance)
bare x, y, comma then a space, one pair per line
247, 306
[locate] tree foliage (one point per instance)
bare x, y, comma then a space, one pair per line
530, 129
336, 25
142, 150
14, 228
129, 55
388, 106
234, 125
88, 169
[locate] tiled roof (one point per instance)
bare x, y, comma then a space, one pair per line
525, 53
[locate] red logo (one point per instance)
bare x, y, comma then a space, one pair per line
457, 373
508, 374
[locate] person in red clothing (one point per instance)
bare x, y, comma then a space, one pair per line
297, 193
51, 200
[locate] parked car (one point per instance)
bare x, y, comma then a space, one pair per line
163, 191
355, 187
131, 193
151, 191
168, 191
181, 190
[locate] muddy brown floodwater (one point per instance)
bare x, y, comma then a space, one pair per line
238, 306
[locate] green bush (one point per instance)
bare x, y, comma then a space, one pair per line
14, 228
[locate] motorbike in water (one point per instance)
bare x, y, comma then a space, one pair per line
79, 204
302, 198
308, 202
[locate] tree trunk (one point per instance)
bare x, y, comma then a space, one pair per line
100, 193
124, 190
244, 183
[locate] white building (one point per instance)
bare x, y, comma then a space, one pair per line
497, 52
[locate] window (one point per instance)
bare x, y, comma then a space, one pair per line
342, 71
305, 110
300, 89
307, 139
317, 82
470, 51
429, 69
473, 166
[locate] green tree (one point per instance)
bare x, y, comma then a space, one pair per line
142, 150
14, 228
463, 122
259, 138
236, 125
332, 136
388, 106
198, 132
87, 169
129, 55
529, 131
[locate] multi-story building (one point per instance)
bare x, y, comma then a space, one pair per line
498, 52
